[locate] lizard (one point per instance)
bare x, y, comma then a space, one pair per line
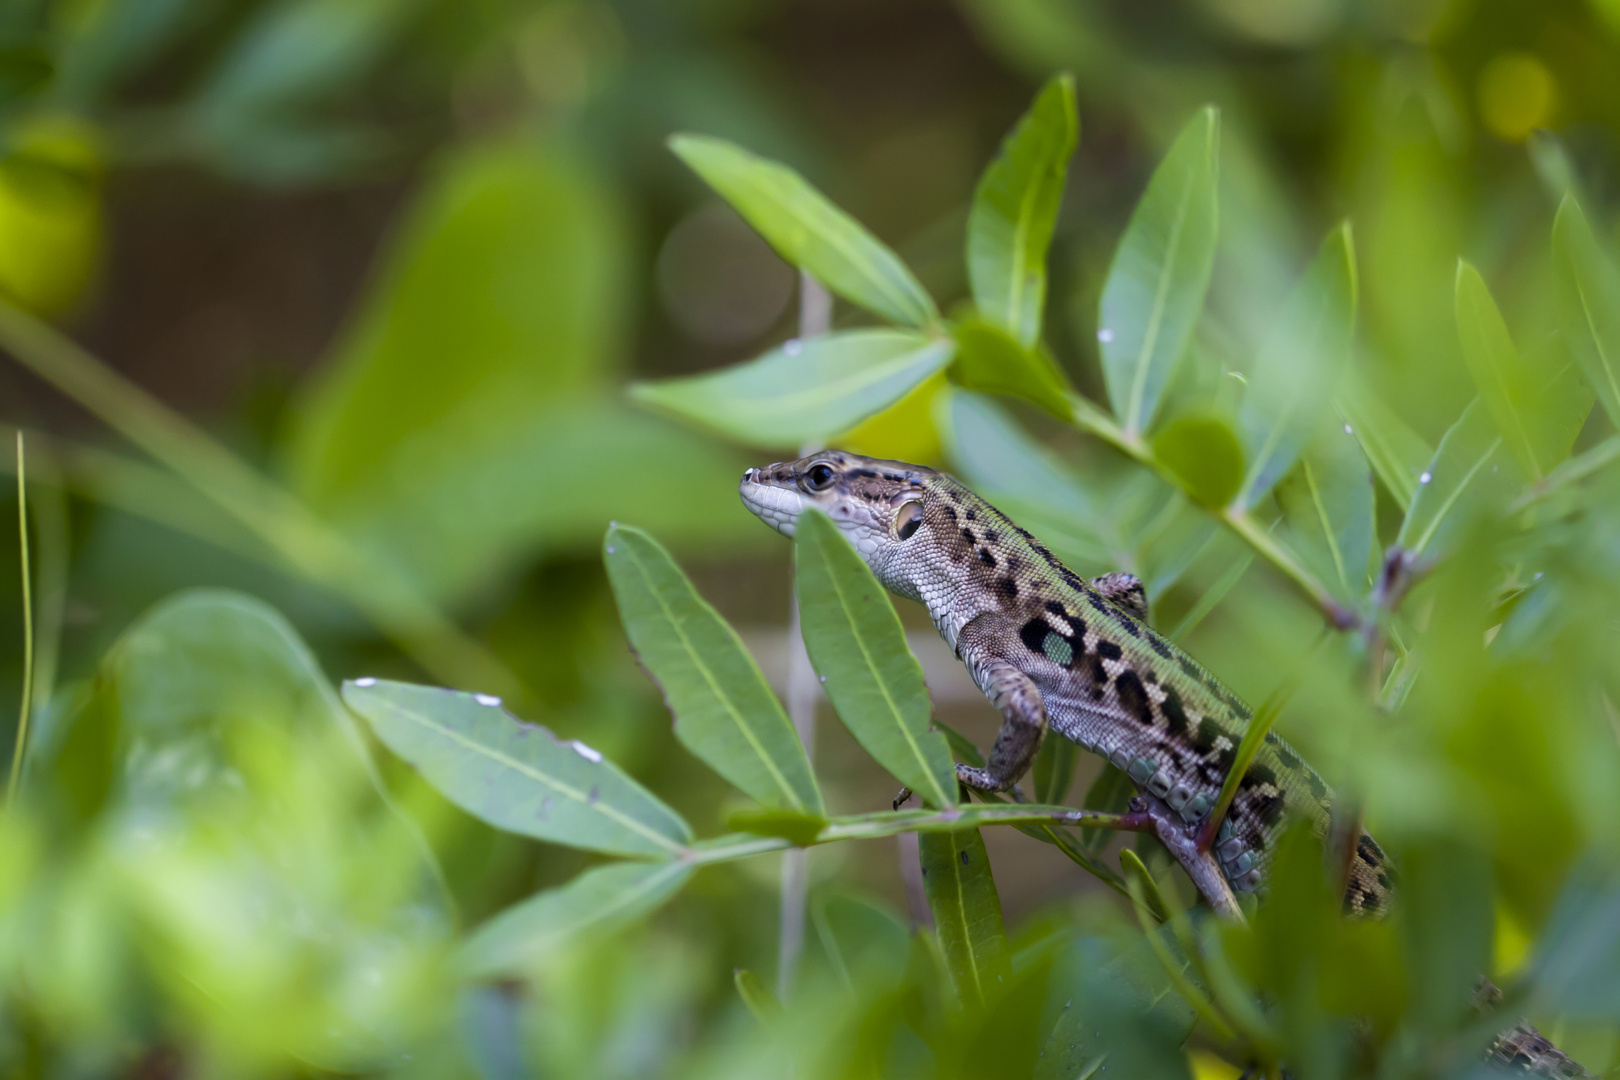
1054, 651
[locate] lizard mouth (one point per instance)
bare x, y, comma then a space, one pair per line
777, 507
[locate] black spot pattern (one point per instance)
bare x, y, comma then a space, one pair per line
1159, 645
1033, 634
1204, 733
1008, 588
1108, 650
1190, 668
967, 534
1133, 698
1314, 782
1175, 716
1057, 609
987, 558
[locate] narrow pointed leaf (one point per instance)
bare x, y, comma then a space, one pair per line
1591, 288
858, 646
1156, 283
1014, 210
967, 912
806, 390
1298, 369
1327, 501
1522, 393
516, 776
1470, 469
809, 231
595, 902
990, 359
1398, 454
724, 710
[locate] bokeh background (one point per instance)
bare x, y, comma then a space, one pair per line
402, 257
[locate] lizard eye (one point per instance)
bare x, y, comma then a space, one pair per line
818, 477
908, 520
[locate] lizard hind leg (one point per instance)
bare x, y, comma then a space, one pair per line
1124, 591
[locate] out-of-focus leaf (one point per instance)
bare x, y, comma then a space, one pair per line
50, 215
756, 995
1156, 283
1397, 453
795, 828
113, 40
1591, 303
296, 51
477, 367
905, 431
989, 359
805, 389
596, 902
857, 644
724, 710
1446, 913
1054, 769
1327, 501
1298, 368
1518, 392
1470, 469
967, 912
1014, 210
1205, 456
809, 231
516, 776
1576, 970
1110, 1004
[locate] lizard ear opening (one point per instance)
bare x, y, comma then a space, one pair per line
907, 520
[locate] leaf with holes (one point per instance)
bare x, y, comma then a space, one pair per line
516, 776
1156, 283
858, 646
809, 231
724, 710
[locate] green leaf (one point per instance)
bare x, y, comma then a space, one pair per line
756, 995
1156, 283
1054, 768
1515, 390
800, 830
1327, 501
804, 390
1298, 369
1014, 210
486, 352
989, 359
595, 902
516, 776
1469, 469
724, 710
1397, 453
809, 231
1591, 288
1204, 454
857, 645
967, 912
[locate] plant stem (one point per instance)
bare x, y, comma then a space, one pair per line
310, 546
1576, 468
28, 629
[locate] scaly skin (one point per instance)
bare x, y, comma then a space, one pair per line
1051, 650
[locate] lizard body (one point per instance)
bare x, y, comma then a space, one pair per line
1052, 650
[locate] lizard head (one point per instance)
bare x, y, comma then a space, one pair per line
876, 503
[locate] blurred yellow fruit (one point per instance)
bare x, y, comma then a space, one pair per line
1206, 1066
904, 431
50, 216
1517, 95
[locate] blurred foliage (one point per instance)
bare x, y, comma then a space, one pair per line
1180, 362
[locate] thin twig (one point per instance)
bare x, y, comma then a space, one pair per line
803, 690
28, 629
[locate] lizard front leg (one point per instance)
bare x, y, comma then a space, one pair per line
1015, 696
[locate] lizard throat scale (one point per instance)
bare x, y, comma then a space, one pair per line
1052, 650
